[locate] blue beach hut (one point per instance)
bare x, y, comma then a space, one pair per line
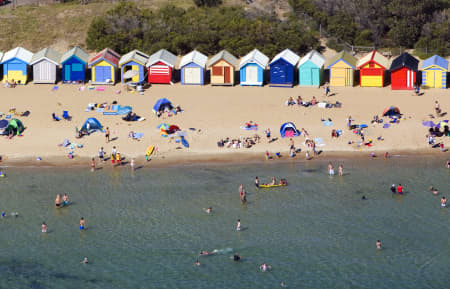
252, 68
282, 69
134, 60
193, 68
434, 72
74, 64
310, 69
15, 65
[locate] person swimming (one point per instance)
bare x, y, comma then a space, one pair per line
58, 201
378, 244
44, 227
208, 210
363, 198
434, 190
82, 224
206, 253
236, 257
443, 202
197, 263
257, 182
85, 260
264, 267
3, 214
65, 200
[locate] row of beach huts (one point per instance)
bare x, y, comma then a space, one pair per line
254, 69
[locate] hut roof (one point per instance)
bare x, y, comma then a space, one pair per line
108, 55
136, 56
195, 57
435, 60
348, 58
225, 55
18, 52
48, 54
405, 60
313, 56
376, 57
163, 56
287, 55
75, 51
255, 56
1, 56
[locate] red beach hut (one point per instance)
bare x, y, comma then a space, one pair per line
160, 67
404, 72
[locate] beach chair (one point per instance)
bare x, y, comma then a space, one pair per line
55, 118
66, 115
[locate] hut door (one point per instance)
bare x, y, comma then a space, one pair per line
136, 77
67, 69
252, 74
438, 79
227, 74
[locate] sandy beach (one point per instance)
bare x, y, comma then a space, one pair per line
215, 113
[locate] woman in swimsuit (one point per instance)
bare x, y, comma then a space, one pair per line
58, 201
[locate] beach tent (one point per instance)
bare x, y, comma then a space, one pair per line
73, 64
310, 69
3, 125
16, 126
342, 69
282, 68
404, 72
391, 111
94, 125
162, 104
222, 66
193, 68
434, 72
372, 68
161, 66
103, 67
252, 67
45, 63
134, 60
288, 129
15, 65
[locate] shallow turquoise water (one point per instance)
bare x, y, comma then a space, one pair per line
145, 230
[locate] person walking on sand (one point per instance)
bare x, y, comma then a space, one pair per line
101, 154
132, 164
267, 132
341, 170
92, 164
437, 108
326, 89
107, 134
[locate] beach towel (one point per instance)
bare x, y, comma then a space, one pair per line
100, 109
91, 87
81, 88
251, 127
386, 125
363, 126
327, 123
8, 116
138, 135
322, 104
101, 88
111, 109
55, 88
26, 113
318, 141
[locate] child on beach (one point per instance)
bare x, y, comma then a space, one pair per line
107, 134
101, 154
267, 132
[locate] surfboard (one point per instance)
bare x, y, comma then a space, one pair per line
149, 151
184, 142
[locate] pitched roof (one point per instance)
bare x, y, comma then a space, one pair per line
348, 58
18, 52
405, 60
195, 57
225, 55
435, 60
255, 56
1, 56
287, 55
136, 56
163, 56
313, 56
108, 55
375, 56
76, 51
46, 53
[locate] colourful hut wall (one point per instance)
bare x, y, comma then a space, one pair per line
102, 71
139, 77
372, 74
403, 78
222, 73
15, 69
160, 73
434, 77
252, 74
192, 73
341, 74
73, 69
281, 73
309, 74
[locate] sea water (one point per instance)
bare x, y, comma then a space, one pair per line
145, 229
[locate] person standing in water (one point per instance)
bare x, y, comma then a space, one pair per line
44, 227
197, 263
132, 164
82, 224
65, 200
330, 169
58, 201
443, 202
400, 189
85, 260
378, 244
448, 164
92, 164
238, 226
257, 182
101, 154
393, 189
341, 170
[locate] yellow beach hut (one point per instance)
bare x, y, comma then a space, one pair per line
372, 68
434, 72
104, 66
342, 69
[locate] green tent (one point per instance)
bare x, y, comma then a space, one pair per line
16, 126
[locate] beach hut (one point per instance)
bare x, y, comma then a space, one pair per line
342, 69
103, 67
192, 67
161, 66
434, 72
282, 68
404, 72
15, 65
310, 69
222, 66
134, 60
252, 67
45, 64
73, 64
372, 68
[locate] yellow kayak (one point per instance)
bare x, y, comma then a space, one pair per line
271, 186
149, 151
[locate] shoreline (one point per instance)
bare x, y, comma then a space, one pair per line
221, 159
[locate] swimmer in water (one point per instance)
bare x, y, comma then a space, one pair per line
197, 263
44, 227
85, 260
443, 202
257, 182
448, 164
58, 201
393, 189
264, 267
378, 244
209, 210
330, 169
238, 226
434, 190
273, 182
236, 257
92, 164
341, 170
3, 214
82, 224
205, 253
363, 198
283, 284
65, 199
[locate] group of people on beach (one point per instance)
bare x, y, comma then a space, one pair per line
331, 169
